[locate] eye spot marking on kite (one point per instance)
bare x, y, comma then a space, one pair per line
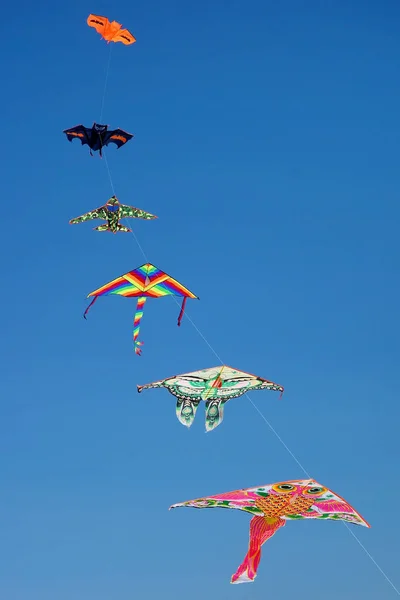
283, 488
314, 491
215, 386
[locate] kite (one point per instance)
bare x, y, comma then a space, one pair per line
144, 282
214, 386
112, 212
98, 136
111, 31
272, 505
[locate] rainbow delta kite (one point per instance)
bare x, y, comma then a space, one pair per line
144, 282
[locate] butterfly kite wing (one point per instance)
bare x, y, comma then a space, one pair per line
215, 386
234, 383
147, 386
116, 136
134, 213
221, 382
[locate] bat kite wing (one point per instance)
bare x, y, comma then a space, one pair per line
80, 132
98, 213
215, 386
125, 37
135, 213
111, 31
117, 136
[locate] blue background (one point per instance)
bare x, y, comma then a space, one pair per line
267, 142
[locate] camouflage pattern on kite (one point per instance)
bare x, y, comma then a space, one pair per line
111, 31
214, 386
112, 212
144, 282
272, 505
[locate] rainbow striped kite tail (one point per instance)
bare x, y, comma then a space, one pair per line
138, 349
136, 324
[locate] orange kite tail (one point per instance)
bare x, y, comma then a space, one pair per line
261, 529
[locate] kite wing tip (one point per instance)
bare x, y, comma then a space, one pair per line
178, 505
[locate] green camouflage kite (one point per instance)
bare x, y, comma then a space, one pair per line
112, 212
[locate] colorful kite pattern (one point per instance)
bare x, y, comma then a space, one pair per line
111, 31
144, 282
214, 386
112, 212
272, 505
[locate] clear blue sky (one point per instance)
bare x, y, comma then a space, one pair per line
267, 142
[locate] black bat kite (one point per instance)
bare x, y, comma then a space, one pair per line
98, 136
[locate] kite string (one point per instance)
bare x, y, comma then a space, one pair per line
219, 358
105, 83
292, 454
113, 191
260, 413
104, 150
248, 397
371, 557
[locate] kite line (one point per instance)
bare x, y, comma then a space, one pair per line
279, 438
292, 454
105, 156
199, 332
105, 83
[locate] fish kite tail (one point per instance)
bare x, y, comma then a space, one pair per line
261, 529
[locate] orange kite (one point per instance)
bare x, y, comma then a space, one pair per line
110, 31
